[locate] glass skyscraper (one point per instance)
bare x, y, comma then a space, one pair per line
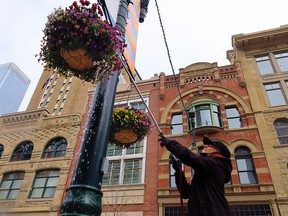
13, 86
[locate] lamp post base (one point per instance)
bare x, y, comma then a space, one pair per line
82, 200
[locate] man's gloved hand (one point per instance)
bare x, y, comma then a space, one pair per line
163, 140
176, 164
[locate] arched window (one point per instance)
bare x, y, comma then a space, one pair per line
23, 151
245, 166
206, 114
55, 148
10, 185
1, 150
281, 127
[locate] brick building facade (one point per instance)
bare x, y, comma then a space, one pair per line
231, 103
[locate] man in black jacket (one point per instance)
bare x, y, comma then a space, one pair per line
212, 170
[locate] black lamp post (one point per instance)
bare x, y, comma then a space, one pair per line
84, 196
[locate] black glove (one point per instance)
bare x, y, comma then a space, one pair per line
176, 164
163, 140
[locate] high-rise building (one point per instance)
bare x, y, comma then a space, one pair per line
62, 95
13, 86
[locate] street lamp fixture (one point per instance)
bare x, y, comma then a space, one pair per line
191, 116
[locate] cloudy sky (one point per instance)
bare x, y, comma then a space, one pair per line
196, 31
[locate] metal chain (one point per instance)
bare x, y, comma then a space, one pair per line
169, 57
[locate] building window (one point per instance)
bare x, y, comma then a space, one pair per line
203, 115
44, 96
176, 124
272, 62
10, 185
53, 86
50, 95
57, 101
55, 148
60, 110
206, 114
66, 92
175, 210
64, 100
112, 177
23, 151
281, 127
1, 150
233, 117
47, 103
264, 65
69, 83
138, 105
245, 166
41, 104
60, 93
134, 104
132, 171
172, 176
282, 60
250, 210
45, 184
275, 94
125, 165
54, 110
63, 84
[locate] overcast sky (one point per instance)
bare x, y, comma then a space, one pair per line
196, 31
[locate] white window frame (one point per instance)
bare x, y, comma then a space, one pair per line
124, 156
279, 88
272, 60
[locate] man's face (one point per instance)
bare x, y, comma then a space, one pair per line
208, 148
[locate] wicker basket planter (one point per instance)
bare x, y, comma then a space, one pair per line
129, 126
126, 136
77, 59
78, 41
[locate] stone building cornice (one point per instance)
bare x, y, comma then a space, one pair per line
40, 118
202, 71
261, 37
25, 116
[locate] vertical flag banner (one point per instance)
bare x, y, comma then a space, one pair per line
131, 33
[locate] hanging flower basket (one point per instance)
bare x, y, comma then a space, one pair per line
78, 41
129, 126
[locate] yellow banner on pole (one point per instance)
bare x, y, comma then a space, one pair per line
132, 34
131, 30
